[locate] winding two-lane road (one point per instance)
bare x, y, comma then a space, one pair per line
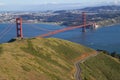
77, 66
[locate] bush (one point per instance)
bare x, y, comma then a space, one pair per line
115, 54
25, 68
1, 50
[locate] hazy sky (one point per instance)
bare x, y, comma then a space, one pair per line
9, 2
16, 4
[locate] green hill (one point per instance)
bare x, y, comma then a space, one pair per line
53, 59
40, 59
101, 67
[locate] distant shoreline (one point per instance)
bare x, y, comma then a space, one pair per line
100, 23
109, 22
51, 23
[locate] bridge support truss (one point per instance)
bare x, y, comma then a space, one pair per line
19, 27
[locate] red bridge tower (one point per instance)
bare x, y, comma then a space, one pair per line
84, 21
19, 27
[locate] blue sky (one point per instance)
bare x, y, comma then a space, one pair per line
23, 4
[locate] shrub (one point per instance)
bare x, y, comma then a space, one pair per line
1, 50
25, 68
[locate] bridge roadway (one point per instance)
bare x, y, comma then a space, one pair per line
62, 30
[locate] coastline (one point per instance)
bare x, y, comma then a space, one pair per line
109, 22
51, 23
108, 25
99, 23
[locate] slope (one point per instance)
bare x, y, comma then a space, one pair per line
40, 59
101, 67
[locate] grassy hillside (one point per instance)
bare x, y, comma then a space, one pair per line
39, 59
101, 67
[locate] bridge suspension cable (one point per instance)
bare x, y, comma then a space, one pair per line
5, 31
43, 29
61, 30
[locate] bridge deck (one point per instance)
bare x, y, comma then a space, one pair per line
62, 30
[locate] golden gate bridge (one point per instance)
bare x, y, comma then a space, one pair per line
51, 32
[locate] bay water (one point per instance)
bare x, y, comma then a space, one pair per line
105, 38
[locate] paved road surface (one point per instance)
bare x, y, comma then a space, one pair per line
78, 69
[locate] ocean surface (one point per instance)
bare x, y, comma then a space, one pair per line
105, 38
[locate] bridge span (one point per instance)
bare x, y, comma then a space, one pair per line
62, 30
83, 26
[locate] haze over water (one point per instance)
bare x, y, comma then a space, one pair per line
105, 38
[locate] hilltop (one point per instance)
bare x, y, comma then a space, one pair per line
40, 59
108, 8
52, 59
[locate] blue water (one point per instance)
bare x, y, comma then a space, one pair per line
106, 38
